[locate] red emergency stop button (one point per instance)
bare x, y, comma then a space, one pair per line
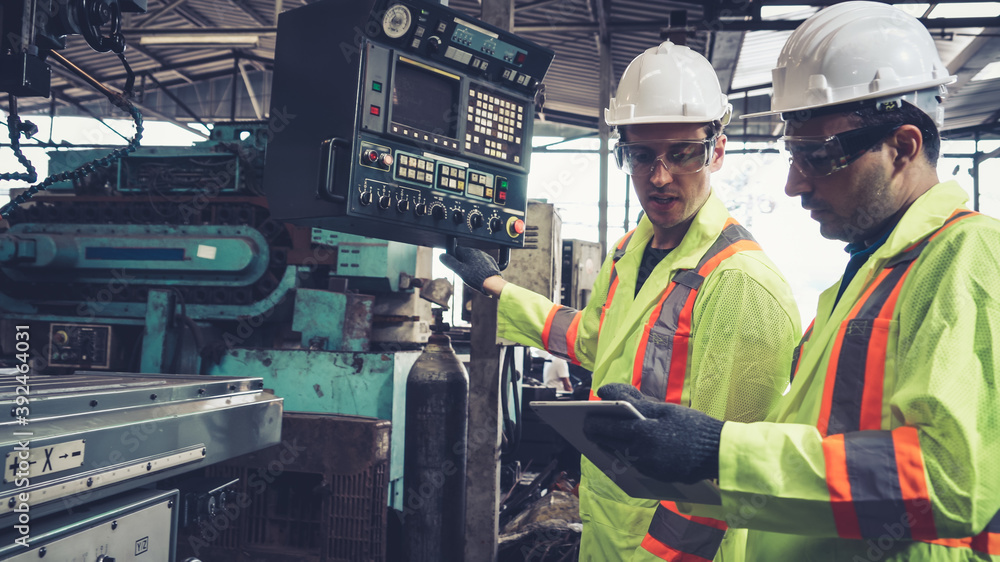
515, 227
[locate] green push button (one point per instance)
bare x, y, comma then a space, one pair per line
377, 86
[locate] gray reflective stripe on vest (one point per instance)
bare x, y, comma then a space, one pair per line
684, 535
561, 322
660, 347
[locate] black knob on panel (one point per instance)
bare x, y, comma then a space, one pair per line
384, 201
437, 211
475, 220
458, 216
495, 224
366, 198
421, 210
433, 43
403, 205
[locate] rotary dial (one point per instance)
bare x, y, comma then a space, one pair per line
396, 21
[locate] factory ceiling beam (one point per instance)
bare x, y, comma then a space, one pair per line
736, 25
159, 13
160, 62
993, 119
536, 4
194, 63
253, 95
247, 9
68, 100
211, 30
180, 103
194, 16
145, 110
980, 52
90, 96
820, 3
724, 53
203, 23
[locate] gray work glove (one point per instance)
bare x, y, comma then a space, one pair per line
472, 265
673, 444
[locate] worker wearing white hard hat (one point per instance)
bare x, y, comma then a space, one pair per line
885, 447
686, 308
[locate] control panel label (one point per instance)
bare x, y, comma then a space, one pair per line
42, 461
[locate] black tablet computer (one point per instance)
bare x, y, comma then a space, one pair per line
567, 417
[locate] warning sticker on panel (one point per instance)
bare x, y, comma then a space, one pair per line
40, 461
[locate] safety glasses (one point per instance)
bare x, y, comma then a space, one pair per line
817, 157
679, 156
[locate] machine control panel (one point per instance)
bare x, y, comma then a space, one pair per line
473, 47
433, 140
80, 345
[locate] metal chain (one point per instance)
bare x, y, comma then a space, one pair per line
120, 102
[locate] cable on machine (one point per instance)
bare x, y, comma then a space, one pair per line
15, 129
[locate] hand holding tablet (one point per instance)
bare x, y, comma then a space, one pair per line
619, 462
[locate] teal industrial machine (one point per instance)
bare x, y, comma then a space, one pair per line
170, 262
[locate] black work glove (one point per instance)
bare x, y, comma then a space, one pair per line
673, 444
472, 265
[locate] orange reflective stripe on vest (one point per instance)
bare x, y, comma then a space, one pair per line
682, 538
659, 371
560, 330
852, 395
876, 476
613, 285
987, 542
661, 360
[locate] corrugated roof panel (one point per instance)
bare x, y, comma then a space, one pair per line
760, 49
757, 57
567, 26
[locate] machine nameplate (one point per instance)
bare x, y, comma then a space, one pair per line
45, 460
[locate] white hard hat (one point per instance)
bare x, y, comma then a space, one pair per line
858, 51
668, 84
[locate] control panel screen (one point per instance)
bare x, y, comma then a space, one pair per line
425, 99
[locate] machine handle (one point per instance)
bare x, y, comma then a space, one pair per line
502, 263
327, 184
504, 260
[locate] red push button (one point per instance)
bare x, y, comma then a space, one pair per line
515, 227
375, 110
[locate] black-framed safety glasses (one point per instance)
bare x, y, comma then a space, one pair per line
679, 156
817, 157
